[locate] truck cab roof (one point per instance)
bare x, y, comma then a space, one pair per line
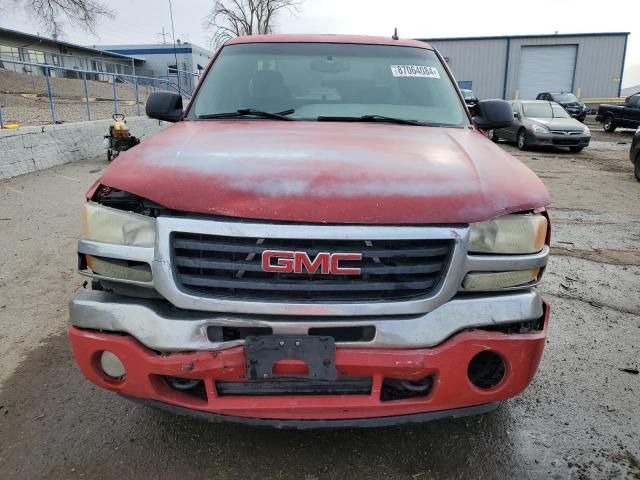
329, 38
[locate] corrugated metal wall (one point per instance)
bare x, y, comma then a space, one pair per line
479, 61
597, 66
482, 61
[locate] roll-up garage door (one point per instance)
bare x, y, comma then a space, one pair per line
548, 68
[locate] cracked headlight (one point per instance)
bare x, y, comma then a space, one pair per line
104, 224
509, 234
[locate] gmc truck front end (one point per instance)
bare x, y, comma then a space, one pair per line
323, 238
440, 321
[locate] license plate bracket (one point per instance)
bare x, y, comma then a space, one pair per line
264, 351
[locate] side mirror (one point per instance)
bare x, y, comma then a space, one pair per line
516, 115
165, 106
493, 114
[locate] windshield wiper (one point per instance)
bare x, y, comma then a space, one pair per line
370, 118
246, 112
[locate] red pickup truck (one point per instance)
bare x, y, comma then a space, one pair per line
324, 237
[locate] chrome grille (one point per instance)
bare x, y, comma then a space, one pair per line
230, 267
565, 132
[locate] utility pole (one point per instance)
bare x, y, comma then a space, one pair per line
163, 34
175, 52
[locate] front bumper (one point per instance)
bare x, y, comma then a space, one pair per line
163, 328
557, 140
578, 113
447, 362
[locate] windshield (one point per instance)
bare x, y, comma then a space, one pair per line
543, 110
330, 80
565, 97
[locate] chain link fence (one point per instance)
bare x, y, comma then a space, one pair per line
39, 94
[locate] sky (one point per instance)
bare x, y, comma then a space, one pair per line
140, 21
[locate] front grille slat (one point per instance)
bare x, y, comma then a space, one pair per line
295, 285
366, 252
217, 266
256, 266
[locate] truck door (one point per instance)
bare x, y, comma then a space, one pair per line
632, 112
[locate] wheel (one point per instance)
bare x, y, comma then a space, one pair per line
575, 149
609, 124
636, 170
109, 155
493, 136
521, 139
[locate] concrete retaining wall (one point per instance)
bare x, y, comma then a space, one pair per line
28, 149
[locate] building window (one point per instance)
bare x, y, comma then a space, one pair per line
9, 53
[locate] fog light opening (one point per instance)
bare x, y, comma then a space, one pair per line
486, 369
112, 366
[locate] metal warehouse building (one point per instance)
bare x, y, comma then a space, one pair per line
590, 64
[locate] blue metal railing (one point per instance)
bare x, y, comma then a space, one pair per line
155, 83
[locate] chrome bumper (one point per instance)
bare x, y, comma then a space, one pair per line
163, 328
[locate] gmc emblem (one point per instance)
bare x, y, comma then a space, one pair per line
279, 261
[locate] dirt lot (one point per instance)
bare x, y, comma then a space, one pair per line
579, 419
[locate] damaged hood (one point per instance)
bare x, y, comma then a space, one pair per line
327, 172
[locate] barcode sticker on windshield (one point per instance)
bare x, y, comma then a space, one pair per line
414, 71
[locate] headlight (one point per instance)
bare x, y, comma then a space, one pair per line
104, 224
511, 234
586, 131
539, 128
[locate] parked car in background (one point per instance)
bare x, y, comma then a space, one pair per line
634, 154
625, 116
469, 97
538, 123
569, 102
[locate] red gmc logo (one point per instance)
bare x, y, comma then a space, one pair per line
299, 262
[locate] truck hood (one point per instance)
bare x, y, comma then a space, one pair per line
327, 172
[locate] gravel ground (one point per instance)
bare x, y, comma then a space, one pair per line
578, 419
24, 99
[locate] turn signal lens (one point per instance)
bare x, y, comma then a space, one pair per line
510, 234
495, 280
119, 269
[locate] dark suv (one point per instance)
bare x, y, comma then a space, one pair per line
634, 154
569, 101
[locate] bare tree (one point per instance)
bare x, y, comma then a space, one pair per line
233, 18
51, 13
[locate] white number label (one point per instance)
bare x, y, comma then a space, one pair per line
414, 71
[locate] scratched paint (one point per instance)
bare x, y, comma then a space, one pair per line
327, 172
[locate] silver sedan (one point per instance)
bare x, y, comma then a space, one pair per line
538, 123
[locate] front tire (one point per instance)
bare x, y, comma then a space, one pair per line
609, 124
521, 139
575, 149
636, 170
493, 136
